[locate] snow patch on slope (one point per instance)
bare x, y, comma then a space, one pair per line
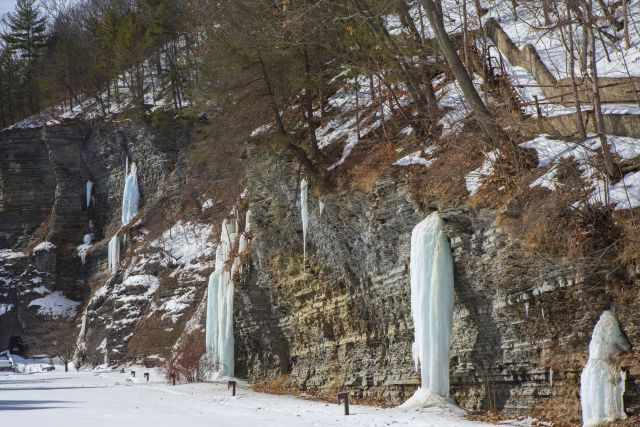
55, 305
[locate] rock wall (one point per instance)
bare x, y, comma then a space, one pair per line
43, 173
522, 323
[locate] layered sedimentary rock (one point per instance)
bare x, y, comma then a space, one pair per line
521, 322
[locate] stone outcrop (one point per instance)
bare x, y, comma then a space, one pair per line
521, 322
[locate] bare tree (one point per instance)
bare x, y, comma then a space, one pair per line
481, 113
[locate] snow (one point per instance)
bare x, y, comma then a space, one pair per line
208, 204
431, 308
148, 282
130, 196
473, 180
5, 308
36, 364
8, 254
414, 159
528, 90
55, 305
107, 398
114, 254
602, 385
624, 194
44, 247
451, 99
304, 214
185, 242
356, 114
529, 28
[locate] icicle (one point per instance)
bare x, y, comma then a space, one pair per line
526, 310
88, 192
219, 333
601, 383
247, 222
114, 254
242, 244
321, 203
304, 213
551, 377
87, 240
432, 305
131, 196
211, 336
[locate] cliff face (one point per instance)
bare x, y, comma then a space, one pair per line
522, 323
43, 199
342, 319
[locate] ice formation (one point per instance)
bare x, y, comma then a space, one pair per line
87, 241
130, 196
114, 254
431, 306
219, 332
602, 385
247, 222
304, 213
89, 192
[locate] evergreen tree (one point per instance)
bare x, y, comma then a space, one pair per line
26, 38
27, 30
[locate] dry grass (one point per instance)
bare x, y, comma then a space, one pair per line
364, 175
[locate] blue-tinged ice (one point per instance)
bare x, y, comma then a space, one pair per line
304, 214
131, 195
431, 308
89, 193
114, 254
602, 383
219, 325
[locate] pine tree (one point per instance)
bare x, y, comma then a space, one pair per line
27, 30
26, 39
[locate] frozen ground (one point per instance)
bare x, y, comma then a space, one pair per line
107, 399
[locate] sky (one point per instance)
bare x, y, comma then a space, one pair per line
6, 6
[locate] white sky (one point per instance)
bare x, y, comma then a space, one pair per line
6, 6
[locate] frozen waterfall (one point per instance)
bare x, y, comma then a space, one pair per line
602, 385
131, 195
304, 213
219, 333
431, 308
114, 254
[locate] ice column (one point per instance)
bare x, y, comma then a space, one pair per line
219, 333
304, 213
114, 254
89, 192
432, 304
602, 385
130, 196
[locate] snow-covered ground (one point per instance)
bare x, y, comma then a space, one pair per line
59, 399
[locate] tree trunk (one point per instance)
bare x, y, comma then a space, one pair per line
576, 94
480, 111
597, 106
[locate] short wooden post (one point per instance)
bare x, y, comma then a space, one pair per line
146, 376
538, 109
344, 397
232, 385
122, 371
133, 374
